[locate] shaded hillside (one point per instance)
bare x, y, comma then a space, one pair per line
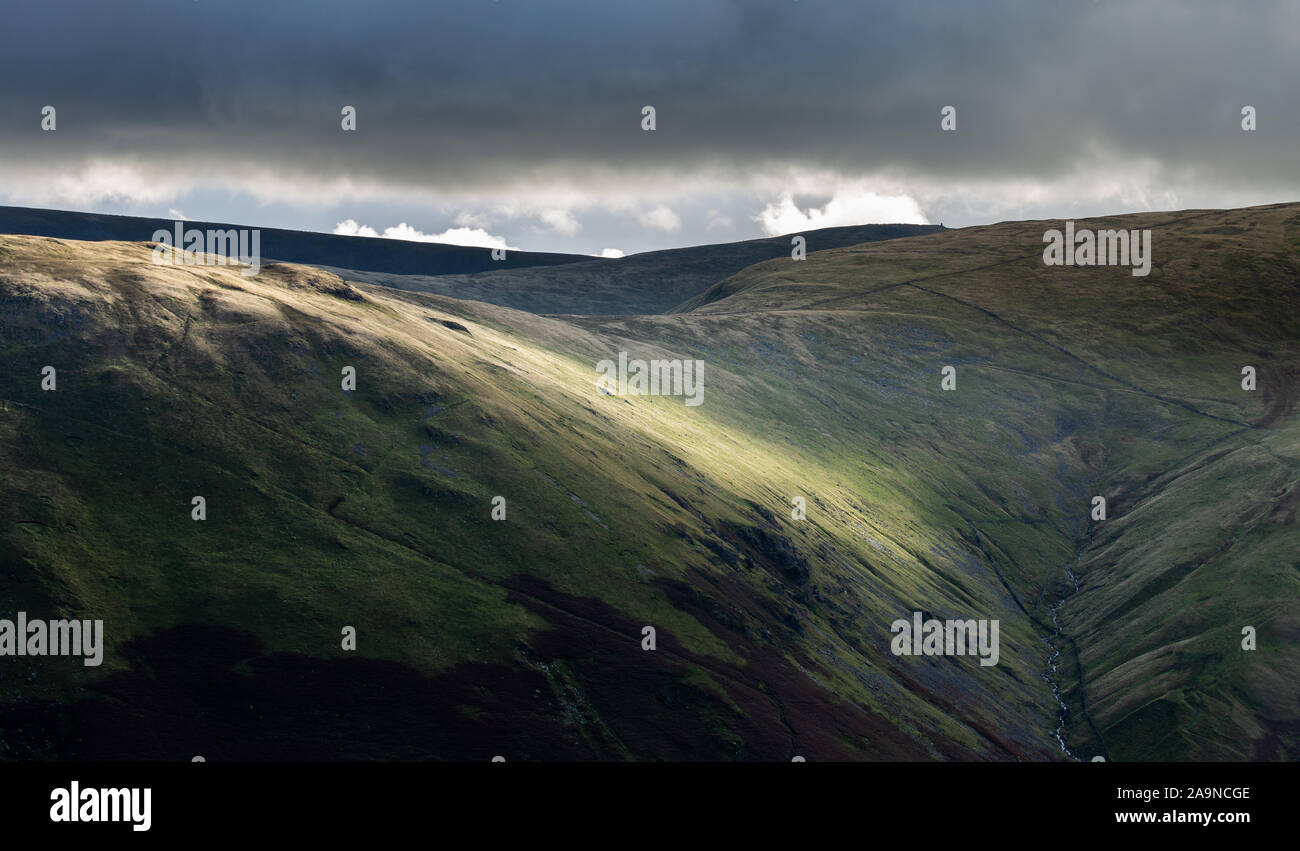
653, 282
373, 508
373, 254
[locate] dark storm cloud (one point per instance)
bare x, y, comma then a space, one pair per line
500, 113
478, 90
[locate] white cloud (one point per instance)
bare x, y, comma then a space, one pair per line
561, 221
89, 184
852, 206
717, 221
661, 218
612, 253
350, 227
404, 231
174, 213
472, 237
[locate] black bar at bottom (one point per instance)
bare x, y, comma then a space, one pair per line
650, 801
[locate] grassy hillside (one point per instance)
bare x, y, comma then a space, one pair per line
372, 508
1199, 474
651, 282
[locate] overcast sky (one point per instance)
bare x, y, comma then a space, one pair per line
519, 122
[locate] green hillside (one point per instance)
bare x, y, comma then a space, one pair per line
372, 508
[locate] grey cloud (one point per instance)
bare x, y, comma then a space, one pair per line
471, 95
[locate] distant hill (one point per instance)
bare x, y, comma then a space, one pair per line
370, 254
653, 282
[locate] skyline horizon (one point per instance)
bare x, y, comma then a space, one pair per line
671, 247
605, 130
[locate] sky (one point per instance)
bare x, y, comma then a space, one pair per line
519, 123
